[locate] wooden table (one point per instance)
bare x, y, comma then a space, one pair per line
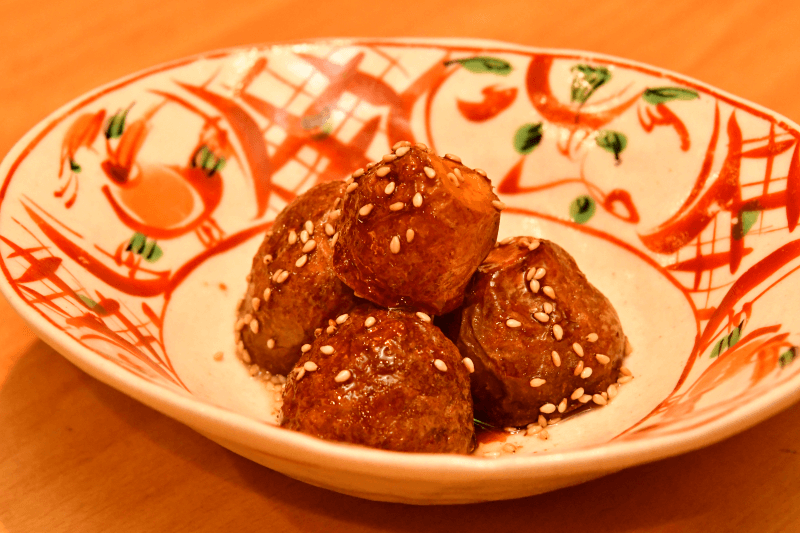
75, 455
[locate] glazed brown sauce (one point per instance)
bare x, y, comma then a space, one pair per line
489, 435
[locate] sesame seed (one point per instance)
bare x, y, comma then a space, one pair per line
586, 372
548, 408
562, 406
491, 455
358, 173
624, 379
394, 246
548, 290
283, 276
540, 273
239, 325
300, 373
267, 259
454, 179
452, 157
577, 393
310, 366
369, 322
513, 323
400, 144
301, 261
534, 245
255, 303
292, 236
254, 325
334, 215
409, 235
304, 348
336, 202
365, 210
422, 147
247, 318
329, 229
543, 434
585, 398
218, 356
317, 332
556, 358
349, 180
330, 329
498, 205
578, 349
402, 151
341, 319
276, 275
467, 362
327, 349
625, 371
558, 332
602, 359
271, 343
481, 172
254, 370
548, 307
533, 430
342, 376
304, 236
397, 206
542, 421
604, 394
423, 316
592, 337
381, 172
334, 239
350, 188
389, 188
246, 357
529, 274
388, 158
509, 448
370, 165
578, 368
613, 390
417, 201
309, 246
440, 365
535, 286
457, 172
541, 317
537, 382
599, 400
429, 172
628, 347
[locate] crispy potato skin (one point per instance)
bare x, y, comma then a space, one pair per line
454, 228
395, 398
507, 358
310, 294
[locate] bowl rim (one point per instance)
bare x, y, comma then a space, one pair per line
230, 425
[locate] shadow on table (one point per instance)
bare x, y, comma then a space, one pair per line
76, 453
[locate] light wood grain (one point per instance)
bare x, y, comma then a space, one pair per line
75, 455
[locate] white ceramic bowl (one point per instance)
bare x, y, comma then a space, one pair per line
129, 217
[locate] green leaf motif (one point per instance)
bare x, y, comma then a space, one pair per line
612, 141
116, 125
528, 137
206, 160
660, 95
748, 219
91, 304
586, 80
728, 341
148, 249
74, 166
582, 209
788, 356
483, 64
